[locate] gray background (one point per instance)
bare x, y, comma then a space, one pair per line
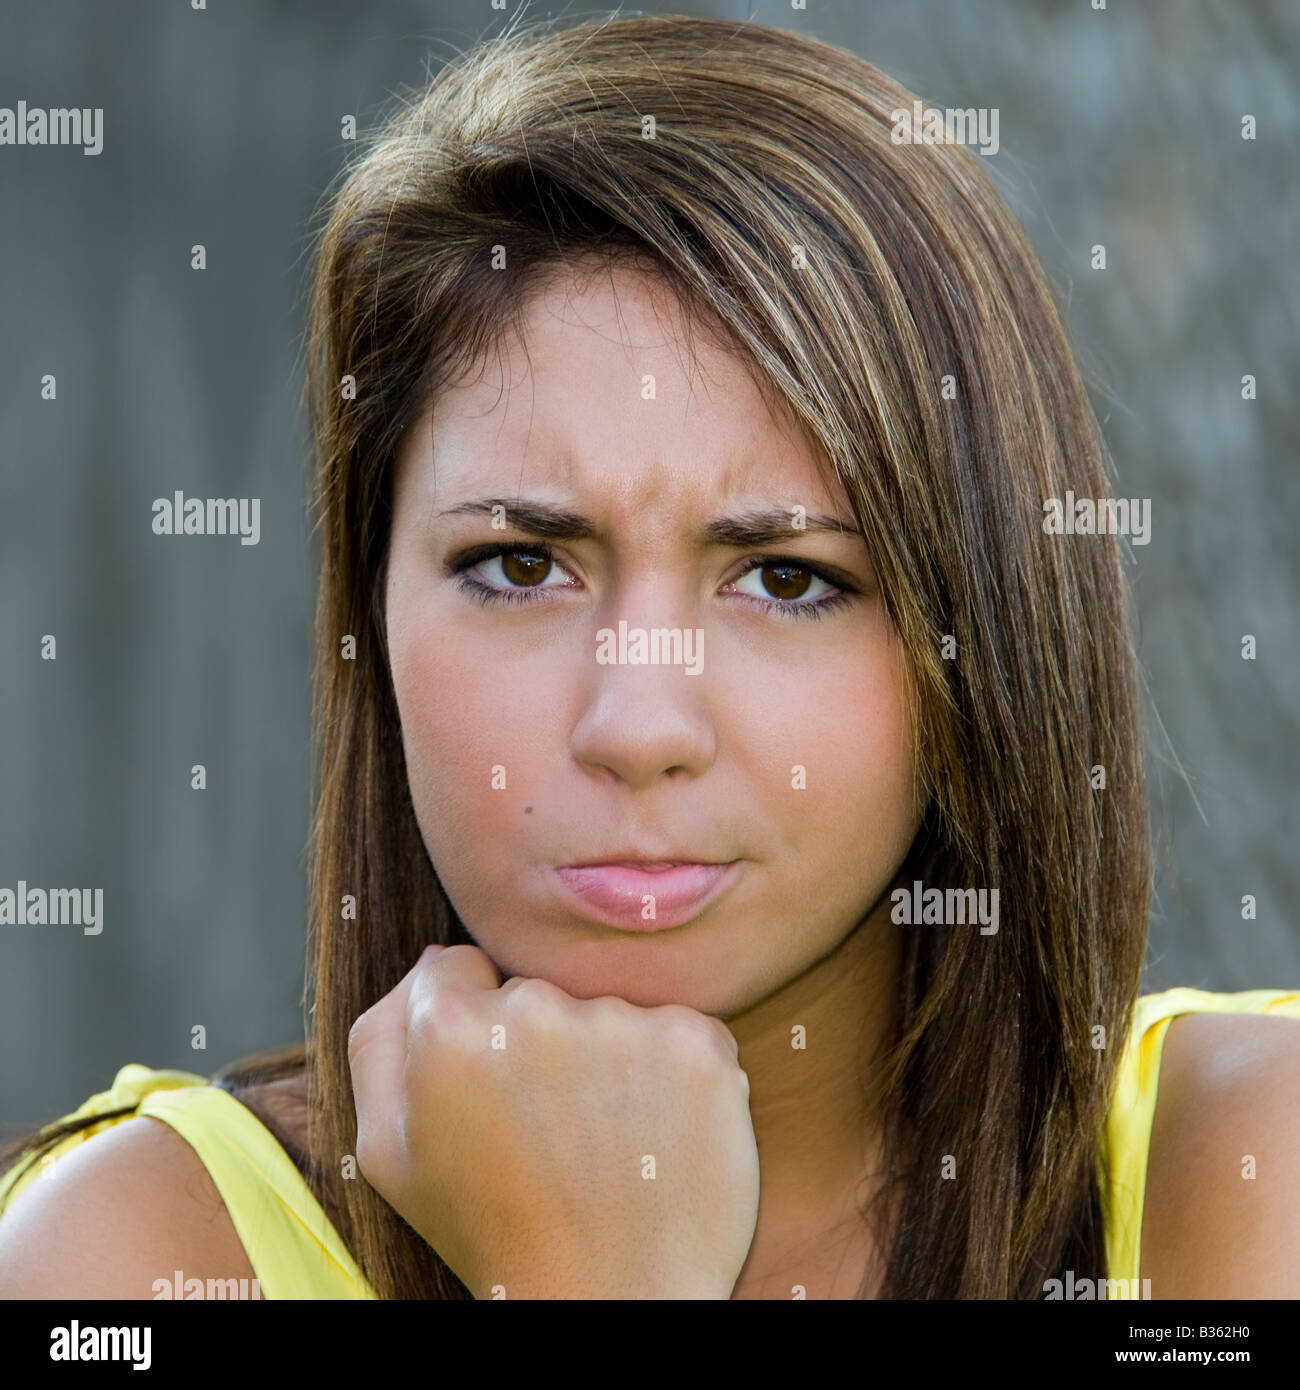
223, 127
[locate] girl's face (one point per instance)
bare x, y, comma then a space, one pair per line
772, 741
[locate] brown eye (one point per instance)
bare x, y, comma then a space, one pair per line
510, 574
525, 567
786, 581
789, 588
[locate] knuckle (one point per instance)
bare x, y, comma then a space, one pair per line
440, 1018
374, 1156
696, 1035
611, 1008
357, 1036
459, 951
539, 998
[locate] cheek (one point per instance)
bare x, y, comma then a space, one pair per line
881, 796
849, 829
473, 738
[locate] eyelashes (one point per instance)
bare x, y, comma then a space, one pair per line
462, 566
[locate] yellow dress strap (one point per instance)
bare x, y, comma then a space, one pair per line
1126, 1140
294, 1250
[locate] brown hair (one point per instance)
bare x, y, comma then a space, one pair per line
886, 298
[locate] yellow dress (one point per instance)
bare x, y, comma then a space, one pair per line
294, 1250
296, 1253
1127, 1136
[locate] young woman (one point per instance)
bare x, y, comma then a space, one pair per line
695, 668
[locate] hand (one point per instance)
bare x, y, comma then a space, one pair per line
559, 1147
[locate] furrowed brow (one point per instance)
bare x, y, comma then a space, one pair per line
769, 527
754, 528
536, 518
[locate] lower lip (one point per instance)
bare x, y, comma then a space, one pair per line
616, 893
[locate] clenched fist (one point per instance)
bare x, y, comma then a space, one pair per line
558, 1147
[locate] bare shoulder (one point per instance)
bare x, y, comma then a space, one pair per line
1222, 1210
119, 1211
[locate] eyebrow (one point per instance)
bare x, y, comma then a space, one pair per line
760, 526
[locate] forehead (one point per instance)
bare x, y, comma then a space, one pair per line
603, 394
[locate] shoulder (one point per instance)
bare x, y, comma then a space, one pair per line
1221, 1216
116, 1213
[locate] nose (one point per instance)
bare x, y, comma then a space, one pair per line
643, 722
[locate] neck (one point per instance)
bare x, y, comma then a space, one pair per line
812, 1052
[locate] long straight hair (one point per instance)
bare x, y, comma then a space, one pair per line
887, 302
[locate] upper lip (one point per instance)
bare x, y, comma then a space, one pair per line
641, 861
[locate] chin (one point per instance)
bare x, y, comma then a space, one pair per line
645, 968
